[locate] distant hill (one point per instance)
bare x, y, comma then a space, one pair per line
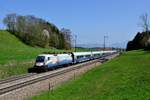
89, 45
119, 45
115, 45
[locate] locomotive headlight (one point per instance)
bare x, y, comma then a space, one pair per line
39, 64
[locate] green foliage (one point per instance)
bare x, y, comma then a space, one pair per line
124, 78
37, 32
67, 37
140, 41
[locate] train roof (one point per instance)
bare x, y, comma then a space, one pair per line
46, 55
53, 55
82, 53
87, 53
77, 53
97, 52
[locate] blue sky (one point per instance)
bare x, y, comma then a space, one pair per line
90, 20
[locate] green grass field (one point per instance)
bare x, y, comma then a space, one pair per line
13, 50
13, 53
126, 77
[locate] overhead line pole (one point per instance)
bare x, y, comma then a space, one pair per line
75, 43
105, 42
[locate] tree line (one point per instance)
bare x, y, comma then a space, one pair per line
142, 39
38, 32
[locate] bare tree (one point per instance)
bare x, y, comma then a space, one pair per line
10, 21
144, 22
67, 37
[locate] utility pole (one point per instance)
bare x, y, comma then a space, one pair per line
75, 43
105, 42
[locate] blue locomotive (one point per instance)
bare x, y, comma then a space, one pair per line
45, 62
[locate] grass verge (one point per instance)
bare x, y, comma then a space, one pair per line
15, 69
124, 78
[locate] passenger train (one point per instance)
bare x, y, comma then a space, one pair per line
44, 62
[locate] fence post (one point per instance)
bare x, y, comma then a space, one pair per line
74, 75
49, 86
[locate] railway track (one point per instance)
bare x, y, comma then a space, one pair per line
13, 78
20, 81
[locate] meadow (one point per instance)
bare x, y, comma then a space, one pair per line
126, 77
15, 56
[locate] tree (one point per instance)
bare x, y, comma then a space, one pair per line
20, 26
144, 22
140, 41
67, 37
10, 21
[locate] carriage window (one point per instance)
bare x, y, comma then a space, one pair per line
79, 57
48, 58
95, 54
88, 56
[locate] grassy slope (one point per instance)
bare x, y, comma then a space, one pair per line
12, 49
124, 78
15, 55
13, 52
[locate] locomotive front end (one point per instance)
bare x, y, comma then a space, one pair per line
40, 65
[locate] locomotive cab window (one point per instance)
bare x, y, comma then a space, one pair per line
40, 59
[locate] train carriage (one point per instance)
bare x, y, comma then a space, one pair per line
45, 62
82, 56
97, 54
64, 59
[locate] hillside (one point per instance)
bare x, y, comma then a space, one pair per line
124, 78
15, 56
12, 49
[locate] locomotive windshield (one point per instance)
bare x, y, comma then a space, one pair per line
40, 59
